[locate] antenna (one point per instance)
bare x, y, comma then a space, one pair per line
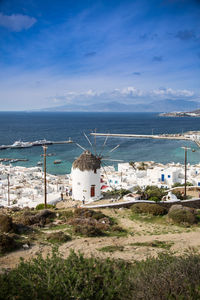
114, 148
81, 147
95, 139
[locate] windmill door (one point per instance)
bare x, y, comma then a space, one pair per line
92, 191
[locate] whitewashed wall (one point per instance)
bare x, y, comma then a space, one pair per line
82, 182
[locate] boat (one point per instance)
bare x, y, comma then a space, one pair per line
39, 163
14, 160
2, 147
41, 142
58, 161
19, 144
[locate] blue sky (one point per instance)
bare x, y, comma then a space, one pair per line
62, 52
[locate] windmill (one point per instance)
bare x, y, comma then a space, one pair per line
86, 175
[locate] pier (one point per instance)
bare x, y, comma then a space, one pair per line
146, 136
62, 142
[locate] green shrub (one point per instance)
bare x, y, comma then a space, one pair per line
40, 218
154, 198
117, 193
67, 214
165, 277
178, 195
111, 248
88, 213
6, 224
177, 184
148, 208
8, 243
42, 206
154, 244
88, 230
118, 228
154, 191
58, 237
183, 216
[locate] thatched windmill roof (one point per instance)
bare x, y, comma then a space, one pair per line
86, 162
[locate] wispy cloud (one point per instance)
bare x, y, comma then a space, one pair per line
157, 58
16, 22
89, 54
137, 73
185, 35
169, 92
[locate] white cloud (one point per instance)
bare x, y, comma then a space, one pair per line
127, 95
16, 22
165, 92
131, 91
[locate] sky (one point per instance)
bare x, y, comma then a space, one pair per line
83, 52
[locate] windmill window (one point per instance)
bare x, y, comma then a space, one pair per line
95, 171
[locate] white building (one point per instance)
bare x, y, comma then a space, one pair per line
86, 178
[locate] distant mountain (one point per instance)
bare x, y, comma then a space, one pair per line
166, 105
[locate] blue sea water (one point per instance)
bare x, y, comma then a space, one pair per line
31, 126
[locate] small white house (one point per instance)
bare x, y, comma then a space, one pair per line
86, 178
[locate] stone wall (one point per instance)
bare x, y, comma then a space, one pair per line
194, 203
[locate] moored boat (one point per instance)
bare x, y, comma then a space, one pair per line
58, 161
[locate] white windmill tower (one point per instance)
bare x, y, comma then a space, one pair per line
86, 176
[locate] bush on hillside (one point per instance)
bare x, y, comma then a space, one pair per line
88, 213
183, 216
6, 224
165, 277
148, 208
88, 230
42, 206
58, 237
66, 214
8, 243
42, 218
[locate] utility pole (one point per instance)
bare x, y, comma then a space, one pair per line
185, 190
8, 177
95, 146
45, 175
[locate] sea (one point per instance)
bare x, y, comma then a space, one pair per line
60, 126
